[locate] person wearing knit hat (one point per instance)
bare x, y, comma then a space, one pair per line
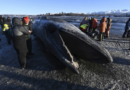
28, 37
26, 20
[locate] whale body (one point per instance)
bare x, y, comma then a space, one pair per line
65, 41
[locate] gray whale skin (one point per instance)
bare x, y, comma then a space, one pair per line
64, 40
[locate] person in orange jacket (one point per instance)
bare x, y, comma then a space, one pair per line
94, 24
102, 28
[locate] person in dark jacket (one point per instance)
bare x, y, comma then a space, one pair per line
19, 41
90, 24
5, 29
126, 28
108, 27
1, 20
28, 37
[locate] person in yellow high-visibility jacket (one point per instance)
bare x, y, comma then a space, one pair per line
5, 27
5, 30
84, 25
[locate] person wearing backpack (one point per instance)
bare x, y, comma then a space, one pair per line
126, 28
108, 27
28, 37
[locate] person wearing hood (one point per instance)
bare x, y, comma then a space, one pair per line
127, 27
28, 37
6, 30
84, 25
19, 41
102, 28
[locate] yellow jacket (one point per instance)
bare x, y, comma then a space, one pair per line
5, 27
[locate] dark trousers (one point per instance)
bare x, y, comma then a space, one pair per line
21, 56
20, 46
29, 45
101, 36
125, 32
6, 33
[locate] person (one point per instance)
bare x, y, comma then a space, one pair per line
28, 37
126, 28
108, 27
102, 27
84, 25
90, 24
1, 20
19, 41
30, 18
1, 23
5, 29
94, 24
33, 19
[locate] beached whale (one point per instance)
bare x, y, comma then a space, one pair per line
64, 40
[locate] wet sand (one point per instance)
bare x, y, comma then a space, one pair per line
44, 72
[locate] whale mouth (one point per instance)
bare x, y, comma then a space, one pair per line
60, 50
84, 51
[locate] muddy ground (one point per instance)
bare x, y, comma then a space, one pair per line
44, 72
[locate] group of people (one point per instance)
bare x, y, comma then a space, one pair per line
20, 33
90, 26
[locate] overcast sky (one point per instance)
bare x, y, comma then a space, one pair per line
34, 7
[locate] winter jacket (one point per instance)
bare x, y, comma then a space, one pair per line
6, 25
102, 26
94, 23
29, 35
1, 20
18, 29
84, 25
90, 23
30, 25
109, 22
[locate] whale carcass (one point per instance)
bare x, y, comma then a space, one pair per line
64, 40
